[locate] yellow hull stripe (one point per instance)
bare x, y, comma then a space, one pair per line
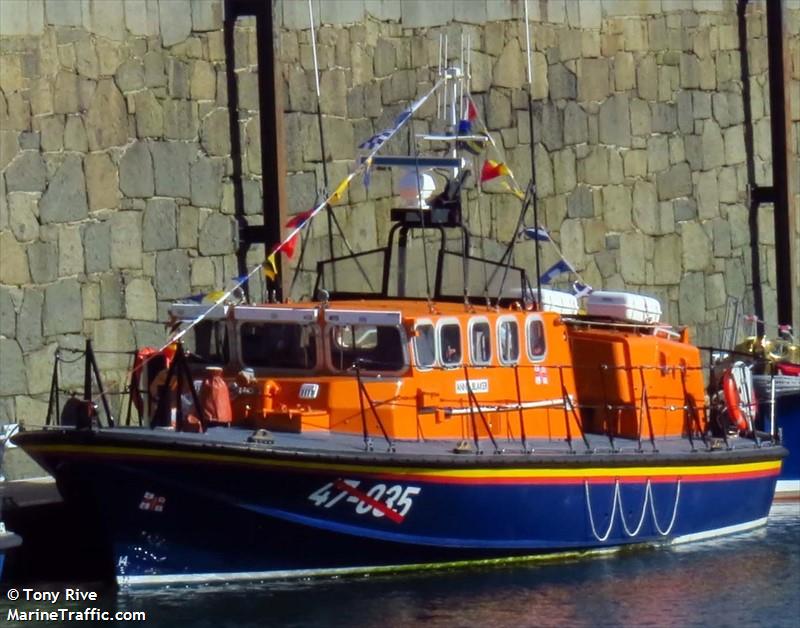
763, 467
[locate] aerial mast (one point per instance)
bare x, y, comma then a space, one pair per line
532, 184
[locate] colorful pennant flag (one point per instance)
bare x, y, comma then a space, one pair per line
532, 233
561, 266
287, 246
465, 128
208, 297
471, 146
472, 110
270, 269
376, 141
213, 297
339, 191
401, 119
367, 178
493, 169
514, 190
298, 220
580, 289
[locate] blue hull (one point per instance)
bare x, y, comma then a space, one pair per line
188, 515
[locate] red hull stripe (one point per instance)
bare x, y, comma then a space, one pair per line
592, 479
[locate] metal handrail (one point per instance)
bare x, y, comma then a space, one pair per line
471, 397
362, 392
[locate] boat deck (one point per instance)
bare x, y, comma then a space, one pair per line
350, 446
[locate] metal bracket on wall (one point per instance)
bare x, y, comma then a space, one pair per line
273, 167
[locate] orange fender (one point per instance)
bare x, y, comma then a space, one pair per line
215, 401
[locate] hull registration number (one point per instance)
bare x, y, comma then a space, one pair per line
393, 501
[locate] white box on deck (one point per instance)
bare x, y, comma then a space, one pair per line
557, 301
624, 306
552, 300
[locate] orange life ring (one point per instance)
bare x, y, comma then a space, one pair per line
733, 401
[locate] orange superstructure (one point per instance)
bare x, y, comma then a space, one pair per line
416, 370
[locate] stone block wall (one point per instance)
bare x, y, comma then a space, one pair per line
115, 168
115, 193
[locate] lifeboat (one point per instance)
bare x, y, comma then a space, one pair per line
427, 407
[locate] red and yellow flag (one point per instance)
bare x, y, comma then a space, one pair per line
493, 169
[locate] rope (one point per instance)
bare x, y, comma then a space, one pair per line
641, 518
604, 537
674, 509
617, 501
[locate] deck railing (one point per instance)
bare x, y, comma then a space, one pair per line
83, 410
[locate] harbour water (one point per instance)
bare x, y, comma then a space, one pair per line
752, 579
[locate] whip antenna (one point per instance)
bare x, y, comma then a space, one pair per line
532, 185
332, 220
328, 209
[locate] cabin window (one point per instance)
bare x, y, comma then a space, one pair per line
207, 342
375, 347
450, 344
508, 341
536, 341
425, 346
480, 347
279, 345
